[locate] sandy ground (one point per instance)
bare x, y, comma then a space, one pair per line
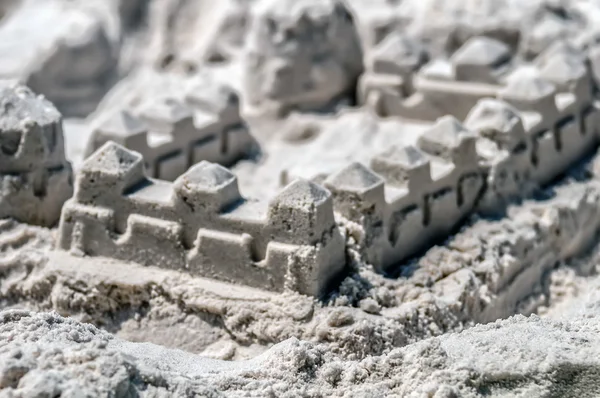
456, 321
517, 357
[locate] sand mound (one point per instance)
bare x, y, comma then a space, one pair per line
46, 355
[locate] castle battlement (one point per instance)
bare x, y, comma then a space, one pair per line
528, 124
550, 101
481, 59
481, 68
172, 135
202, 224
35, 177
537, 128
411, 196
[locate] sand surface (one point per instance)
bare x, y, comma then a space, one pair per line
476, 314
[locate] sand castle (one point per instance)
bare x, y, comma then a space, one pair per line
200, 223
173, 135
448, 185
35, 177
411, 196
544, 110
399, 81
502, 128
541, 121
533, 126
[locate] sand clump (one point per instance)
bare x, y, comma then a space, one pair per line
301, 55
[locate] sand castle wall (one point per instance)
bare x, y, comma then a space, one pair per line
534, 138
201, 223
405, 200
523, 127
172, 135
398, 81
542, 122
411, 196
543, 237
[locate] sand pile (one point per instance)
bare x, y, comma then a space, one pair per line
48, 355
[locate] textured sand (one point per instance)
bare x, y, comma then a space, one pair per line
113, 329
48, 355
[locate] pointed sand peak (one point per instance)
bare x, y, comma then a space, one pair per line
301, 194
492, 114
526, 83
112, 158
562, 68
207, 176
481, 50
354, 178
407, 156
448, 131
446, 135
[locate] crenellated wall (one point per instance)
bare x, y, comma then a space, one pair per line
427, 91
172, 135
532, 121
202, 224
524, 126
542, 123
481, 68
411, 196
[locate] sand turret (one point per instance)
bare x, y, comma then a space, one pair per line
108, 173
36, 177
207, 187
481, 59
